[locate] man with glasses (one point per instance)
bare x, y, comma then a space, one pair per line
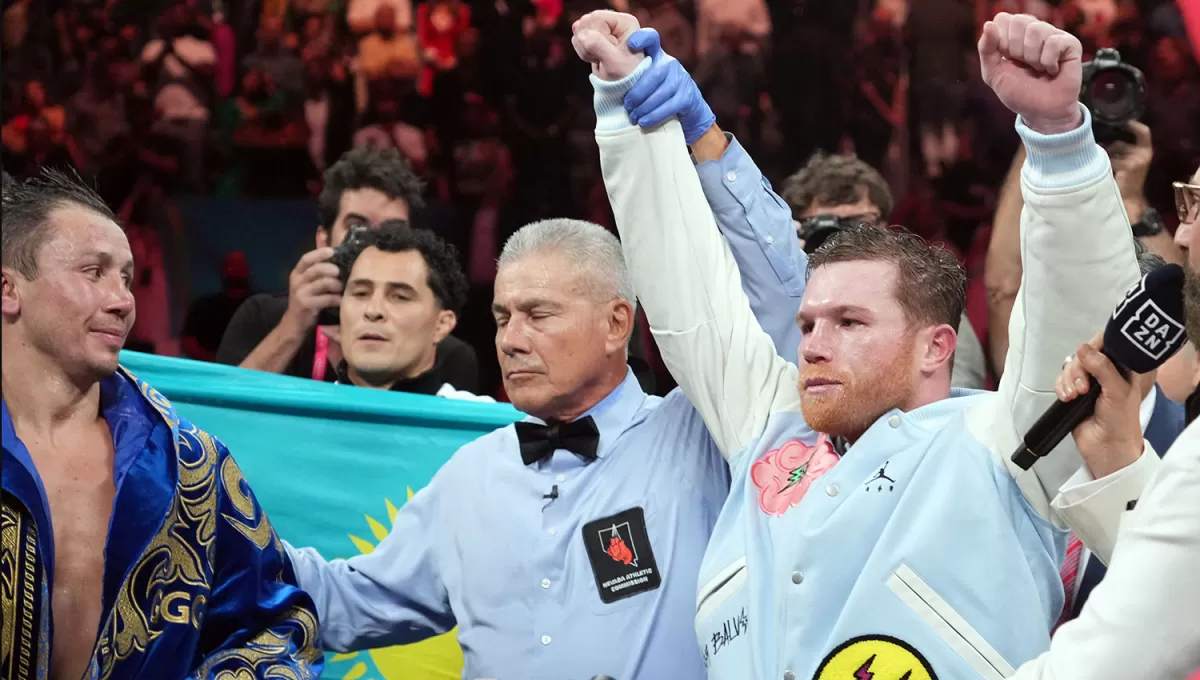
1187, 206
1140, 621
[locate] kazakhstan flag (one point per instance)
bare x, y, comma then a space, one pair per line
330, 464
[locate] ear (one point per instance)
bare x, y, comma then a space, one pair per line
446, 322
937, 350
620, 327
10, 298
322, 237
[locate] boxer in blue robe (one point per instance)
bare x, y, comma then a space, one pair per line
131, 546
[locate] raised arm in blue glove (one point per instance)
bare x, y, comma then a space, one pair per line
666, 90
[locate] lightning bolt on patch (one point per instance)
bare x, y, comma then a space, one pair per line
875, 657
795, 476
864, 671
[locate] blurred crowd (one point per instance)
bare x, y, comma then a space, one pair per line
258, 98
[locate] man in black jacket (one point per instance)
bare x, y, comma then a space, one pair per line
280, 334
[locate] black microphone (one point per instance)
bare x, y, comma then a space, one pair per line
553, 493
1145, 330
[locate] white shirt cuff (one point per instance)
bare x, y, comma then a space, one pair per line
1092, 508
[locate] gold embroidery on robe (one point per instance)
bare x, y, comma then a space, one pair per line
231, 480
170, 582
267, 647
170, 579
19, 653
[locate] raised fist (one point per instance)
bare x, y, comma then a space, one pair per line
601, 38
1035, 69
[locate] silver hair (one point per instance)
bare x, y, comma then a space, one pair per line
1147, 260
591, 249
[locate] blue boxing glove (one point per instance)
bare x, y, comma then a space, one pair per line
666, 90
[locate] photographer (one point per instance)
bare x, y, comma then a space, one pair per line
280, 334
404, 290
834, 190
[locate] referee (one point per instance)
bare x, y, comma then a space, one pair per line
564, 546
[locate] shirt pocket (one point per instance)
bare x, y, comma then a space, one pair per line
722, 621
948, 624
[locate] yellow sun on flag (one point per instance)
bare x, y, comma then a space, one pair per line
438, 658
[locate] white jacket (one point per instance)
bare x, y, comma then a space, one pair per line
1143, 620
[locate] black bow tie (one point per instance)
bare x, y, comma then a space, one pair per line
540, 441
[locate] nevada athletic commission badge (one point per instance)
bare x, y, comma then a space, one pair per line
622, 560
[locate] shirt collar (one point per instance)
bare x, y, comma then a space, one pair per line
1146, 411
613, 413
130, 420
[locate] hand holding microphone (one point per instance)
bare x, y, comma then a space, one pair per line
1112, 437
1145, 330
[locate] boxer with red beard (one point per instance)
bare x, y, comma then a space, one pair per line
860, 358
923, 551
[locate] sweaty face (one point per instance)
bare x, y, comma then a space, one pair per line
363, 208
391, 322
78, 310
552, 337
857, 356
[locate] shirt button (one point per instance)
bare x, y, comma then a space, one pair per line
894, 421
788, 675
545, 639
561, 477
797, 577
553, 531
545, 583
832, 489
732, 176
770, 239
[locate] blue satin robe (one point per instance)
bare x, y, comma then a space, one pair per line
195, 582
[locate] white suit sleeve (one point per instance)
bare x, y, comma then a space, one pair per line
1141, 620
1093, 508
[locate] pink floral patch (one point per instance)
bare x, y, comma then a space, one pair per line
784, 475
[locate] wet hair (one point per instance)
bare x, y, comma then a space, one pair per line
834, 179
383, 170
446, 277
931, 286
27, 206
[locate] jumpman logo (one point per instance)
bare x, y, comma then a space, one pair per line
879, 477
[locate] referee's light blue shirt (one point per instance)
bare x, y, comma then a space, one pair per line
481, 548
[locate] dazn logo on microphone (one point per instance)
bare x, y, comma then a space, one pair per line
1152, 330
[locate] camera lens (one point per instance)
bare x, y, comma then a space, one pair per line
1113, 96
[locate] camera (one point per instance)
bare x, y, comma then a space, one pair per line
817, 229
331, 316
1115, 93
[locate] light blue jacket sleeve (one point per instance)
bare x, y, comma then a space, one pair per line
391, 596
757, 223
